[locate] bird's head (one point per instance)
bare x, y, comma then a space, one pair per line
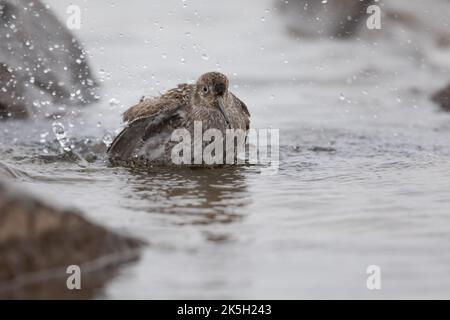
212, 88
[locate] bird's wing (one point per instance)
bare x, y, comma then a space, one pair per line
144, 108
150, 106
141, 128
243, 105
244, 109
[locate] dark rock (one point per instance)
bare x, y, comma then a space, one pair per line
402, 21
339, 19
42, 63
38, 242
442, 97
11, 100
443, 40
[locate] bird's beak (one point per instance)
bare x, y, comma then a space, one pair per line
222, 109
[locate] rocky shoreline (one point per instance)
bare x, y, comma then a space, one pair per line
38, 242
42, 63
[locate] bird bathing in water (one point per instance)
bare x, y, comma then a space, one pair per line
207, 105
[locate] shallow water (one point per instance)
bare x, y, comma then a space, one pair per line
363, 178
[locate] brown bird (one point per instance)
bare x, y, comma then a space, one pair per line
150, 123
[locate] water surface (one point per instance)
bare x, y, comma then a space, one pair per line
363, 178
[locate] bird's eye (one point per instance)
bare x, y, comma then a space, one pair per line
205, 89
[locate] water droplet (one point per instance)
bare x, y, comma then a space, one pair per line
43, 137
205, 57
107, 139
60, 134
114, 102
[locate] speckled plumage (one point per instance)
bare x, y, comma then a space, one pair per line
152, 121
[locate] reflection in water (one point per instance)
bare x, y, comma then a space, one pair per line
51, 284
192, 195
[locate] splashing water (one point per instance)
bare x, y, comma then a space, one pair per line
107, 139
61, 136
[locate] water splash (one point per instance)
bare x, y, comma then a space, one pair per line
61, 136
114, 102
64, 142
107, 139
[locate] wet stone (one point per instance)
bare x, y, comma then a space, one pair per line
41, 62
38, 242
442, 97
335, 19
11, 101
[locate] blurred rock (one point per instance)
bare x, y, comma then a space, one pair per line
38, 242
42, 63
404, 21
442, 97
11, 100
443, 40
315, 18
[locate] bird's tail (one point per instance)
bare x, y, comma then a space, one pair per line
127, 141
